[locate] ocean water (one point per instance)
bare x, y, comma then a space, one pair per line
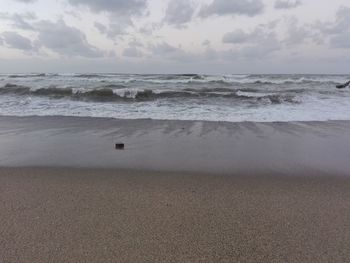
234, 98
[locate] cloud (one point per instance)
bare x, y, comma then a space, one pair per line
65, 40
120, 7
255, 44
206, 42
232, 7
238, 36
26, 1
179, 12
341, 23
261, 50
111, 31
287, 4
21, 21
297, 34
165, 51
149, 28
164, 48
339, 30
260, 33
101, 27
135, 43
340, 41
16, 41
132, 52
120, 13
58, 37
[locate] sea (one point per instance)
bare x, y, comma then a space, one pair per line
232, 98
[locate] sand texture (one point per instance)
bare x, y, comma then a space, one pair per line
75, 215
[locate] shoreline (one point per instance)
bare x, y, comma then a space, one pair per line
345, 121
175, 146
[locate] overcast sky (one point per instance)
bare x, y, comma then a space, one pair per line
175, 36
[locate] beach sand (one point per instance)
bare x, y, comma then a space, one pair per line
180, 191
77, 215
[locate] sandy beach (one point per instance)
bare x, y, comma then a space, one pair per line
152, 131
74, 215
180, 191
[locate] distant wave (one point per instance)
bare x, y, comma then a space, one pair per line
27, 76
109, 94
188, 79
87, 76
233, 81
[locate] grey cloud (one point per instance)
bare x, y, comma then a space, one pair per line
259, 34
21, 21
120, 13
112, 30
341, 23
232, 7
148, 29
132, 52
14, 40
256, 44
297, 34
287, 4
210, 54
339, 30
206, 42
341, 41
26, 1
65, 40
73, 14
164, 48
135, 43
121, 7
166, 51
179, 12
101, 27
238, 36
59, 37
263, 49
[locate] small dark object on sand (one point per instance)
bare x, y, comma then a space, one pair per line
342, 86
119, 146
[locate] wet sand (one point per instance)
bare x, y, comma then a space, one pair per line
76, 215
176, 146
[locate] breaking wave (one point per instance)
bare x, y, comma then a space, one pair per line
123, 94
177, 96
193, 78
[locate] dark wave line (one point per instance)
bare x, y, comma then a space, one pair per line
108, 94
27, 76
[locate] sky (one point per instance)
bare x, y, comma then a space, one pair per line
175, 36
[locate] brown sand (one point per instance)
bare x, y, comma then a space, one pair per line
71, 215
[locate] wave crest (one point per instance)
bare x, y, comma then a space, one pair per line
131, 95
